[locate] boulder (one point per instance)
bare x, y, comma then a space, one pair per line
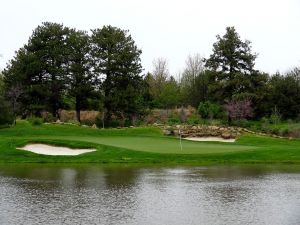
167, 132
226, 135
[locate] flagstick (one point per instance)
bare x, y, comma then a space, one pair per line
180, 139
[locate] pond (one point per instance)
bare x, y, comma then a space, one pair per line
95, 194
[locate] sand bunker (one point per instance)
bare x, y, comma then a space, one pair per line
54, 150
209, 139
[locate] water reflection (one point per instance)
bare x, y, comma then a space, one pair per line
93, 194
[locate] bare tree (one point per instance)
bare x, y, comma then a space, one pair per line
194, 65
14, 94
160, 69
160, 75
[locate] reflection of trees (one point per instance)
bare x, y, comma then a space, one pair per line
121, 176
229, 184
71, 191
233, 172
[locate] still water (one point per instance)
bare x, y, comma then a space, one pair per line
94, 194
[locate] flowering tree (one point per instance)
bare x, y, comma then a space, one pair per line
239, 109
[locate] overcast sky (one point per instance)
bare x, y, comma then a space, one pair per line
171, 29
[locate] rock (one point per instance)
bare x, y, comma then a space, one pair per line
167, 132
226, 135
214, 134
176, 132
58, 121
94, 126
214, 128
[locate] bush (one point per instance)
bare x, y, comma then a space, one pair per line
209, 110
48, 117
6, 116
173, 120
35, 121
194, 120
275, 117
113, 123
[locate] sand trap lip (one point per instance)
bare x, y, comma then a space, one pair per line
209, 139
44, 149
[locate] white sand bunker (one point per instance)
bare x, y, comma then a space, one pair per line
54, 150
209, 139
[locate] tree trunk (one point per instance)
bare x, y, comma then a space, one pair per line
78, 103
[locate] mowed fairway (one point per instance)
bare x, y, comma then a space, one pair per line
140, 145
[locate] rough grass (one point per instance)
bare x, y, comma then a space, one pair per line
141, 145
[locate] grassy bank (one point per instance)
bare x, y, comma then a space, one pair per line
141, 145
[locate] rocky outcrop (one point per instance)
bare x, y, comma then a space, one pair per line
202, 131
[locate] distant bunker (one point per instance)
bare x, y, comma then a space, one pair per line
210, 139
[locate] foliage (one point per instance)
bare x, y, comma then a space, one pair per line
231, 54
239, 109
40, 68
233, 65
116, 60
64, 68
6, 116
209, 110
80, 80
275, 116
35, 121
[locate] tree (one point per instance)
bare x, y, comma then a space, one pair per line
169, 96
209, 110
233, 64
14, 94
160, 74
49, 48
193, 80
6, 117
194, 65
239, 109
79, 80
284, 94
117, 63
231, 54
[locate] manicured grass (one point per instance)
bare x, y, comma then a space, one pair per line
141, 145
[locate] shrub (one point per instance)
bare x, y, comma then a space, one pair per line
48, 117
275, 117
6, 116
35, 121
173, 120
239, 109
194, 120
209, 110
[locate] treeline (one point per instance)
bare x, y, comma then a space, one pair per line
226, 85
64, 68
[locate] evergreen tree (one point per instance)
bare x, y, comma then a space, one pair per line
79, 80
117, 64
48, 44
233, 65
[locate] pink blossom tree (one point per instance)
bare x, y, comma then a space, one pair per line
239, 109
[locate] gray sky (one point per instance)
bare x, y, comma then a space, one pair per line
171, 29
